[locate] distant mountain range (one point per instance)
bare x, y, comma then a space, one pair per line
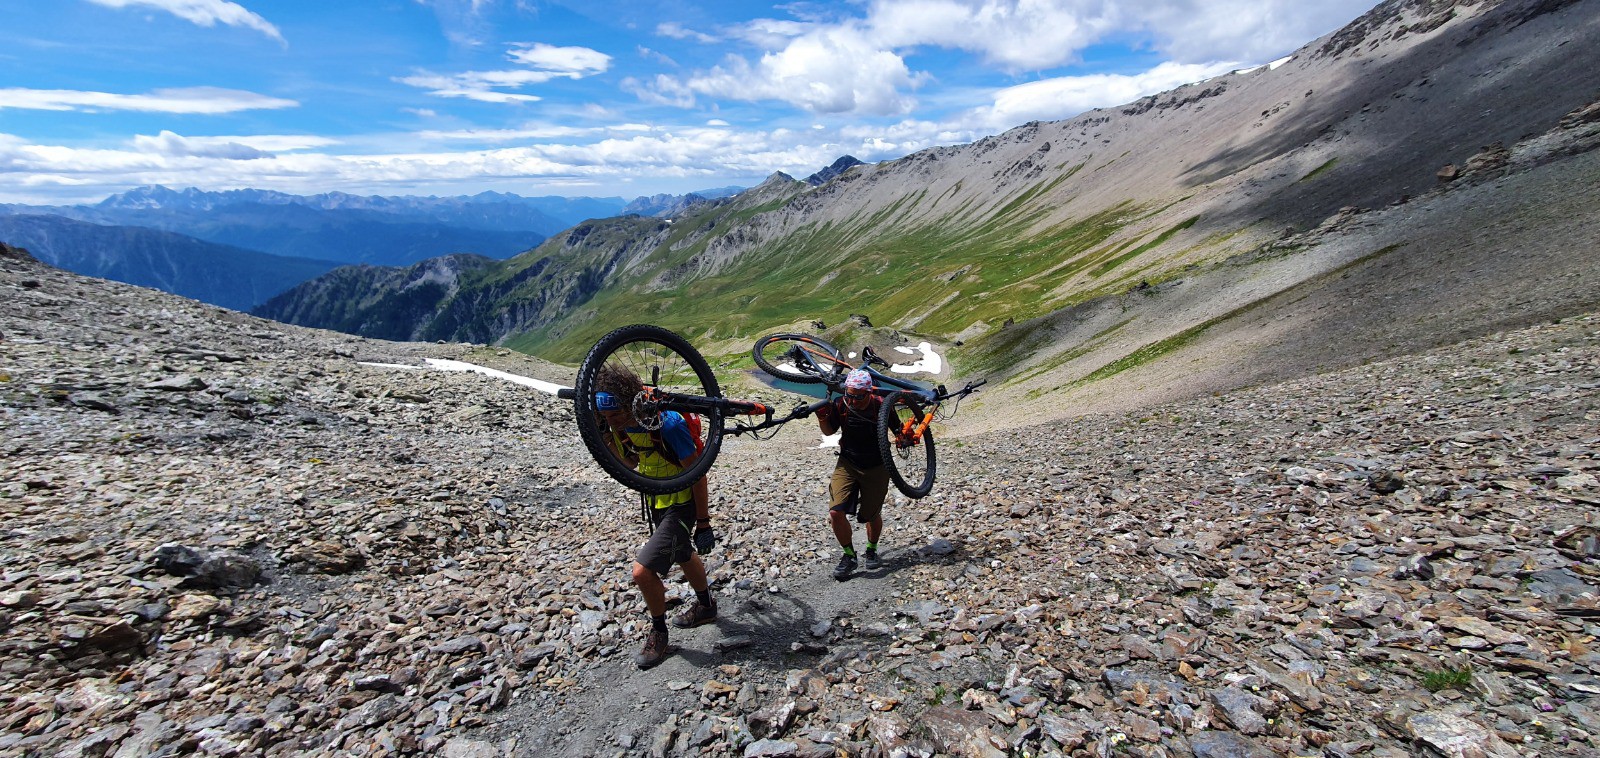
667, 206
257, 243
218, 274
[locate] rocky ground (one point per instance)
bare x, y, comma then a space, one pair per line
228, 536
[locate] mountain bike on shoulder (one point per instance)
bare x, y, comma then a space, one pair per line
905, 431
677, 380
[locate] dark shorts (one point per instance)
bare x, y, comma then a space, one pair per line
858, 491
672, 541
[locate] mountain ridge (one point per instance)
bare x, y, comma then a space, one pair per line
982, 247
222, 275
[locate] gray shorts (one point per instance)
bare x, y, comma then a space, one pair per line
672, 541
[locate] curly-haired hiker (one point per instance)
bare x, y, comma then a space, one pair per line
680, 521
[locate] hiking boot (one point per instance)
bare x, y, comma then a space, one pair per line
655, 650
869, 560
696, 615
846, 567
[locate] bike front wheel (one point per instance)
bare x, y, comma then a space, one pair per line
664, 363
907, 452
798, 358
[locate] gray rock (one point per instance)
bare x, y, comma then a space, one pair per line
1240, 708
379, 710
771, 749
177, 384
1457, 737
91, 401
1212, 744
468, 644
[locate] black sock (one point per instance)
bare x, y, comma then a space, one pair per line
659, 623
704, 597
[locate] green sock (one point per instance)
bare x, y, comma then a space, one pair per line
872, 547
850, 551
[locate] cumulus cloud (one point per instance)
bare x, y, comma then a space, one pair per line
1017, 34
1249, 30
1064, 97
545, 62
615, 154
203, 12
833, 70
200, 100
865, 65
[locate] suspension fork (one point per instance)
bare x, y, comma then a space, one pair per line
911, 431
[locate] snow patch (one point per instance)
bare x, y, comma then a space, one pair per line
929, 363
448, 365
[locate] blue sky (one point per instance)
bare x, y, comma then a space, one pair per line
561, 97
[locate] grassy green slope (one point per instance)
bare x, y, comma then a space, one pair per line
937, 277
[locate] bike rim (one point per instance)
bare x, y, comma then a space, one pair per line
664, 363
910, 454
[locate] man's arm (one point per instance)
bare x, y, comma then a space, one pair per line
826, 421
702, 492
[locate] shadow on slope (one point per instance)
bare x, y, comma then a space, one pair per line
1413, 111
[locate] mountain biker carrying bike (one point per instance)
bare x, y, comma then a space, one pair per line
860, 480
663, 452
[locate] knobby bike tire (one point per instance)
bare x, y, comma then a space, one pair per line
784, 341
589, 423
903, 462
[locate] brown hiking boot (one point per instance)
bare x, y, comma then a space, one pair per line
696, 615
655, 650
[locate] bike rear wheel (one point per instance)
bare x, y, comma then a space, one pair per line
663, 361
908, 455
792, 357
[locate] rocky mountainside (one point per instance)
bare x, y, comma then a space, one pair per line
1422, 176
834, 169
387, 303
218, 274
230, 536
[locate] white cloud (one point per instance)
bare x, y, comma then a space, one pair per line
1017, 34
203, 12
542, 132
243, 147
576, 61
864, 65
202, 100
833, 70
546, 62
168, 143
1064, 97
649, 154
675, 30
1248, 30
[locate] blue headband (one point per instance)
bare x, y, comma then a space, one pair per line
606, 401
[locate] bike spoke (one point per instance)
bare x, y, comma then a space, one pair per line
906, 445
674, 377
